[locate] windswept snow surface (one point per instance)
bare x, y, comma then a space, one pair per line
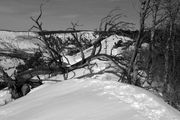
88, 99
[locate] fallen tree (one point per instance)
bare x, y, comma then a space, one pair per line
48, 60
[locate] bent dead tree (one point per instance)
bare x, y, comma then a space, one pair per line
37, 64
143, 15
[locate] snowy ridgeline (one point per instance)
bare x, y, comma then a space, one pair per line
88, 99
96, 96
28, 40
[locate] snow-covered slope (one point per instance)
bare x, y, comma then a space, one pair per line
94, 95
28, 40
88, 99
22, 40
107, 48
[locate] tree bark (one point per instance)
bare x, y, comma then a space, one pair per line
143, 13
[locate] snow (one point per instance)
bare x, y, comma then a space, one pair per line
107, 48
88, 99
88, 95
27, 40
14, 38
5, 97
89, 35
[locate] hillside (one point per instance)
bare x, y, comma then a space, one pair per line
89, 99
88, 93
28, 40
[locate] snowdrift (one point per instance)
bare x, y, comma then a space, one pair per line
88, 99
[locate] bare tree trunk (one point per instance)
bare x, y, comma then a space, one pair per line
172, 9
106, 47
155, 8
82, 56
143, 15
167, 63
174, 60
19, 54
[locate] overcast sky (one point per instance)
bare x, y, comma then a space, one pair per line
58, 14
